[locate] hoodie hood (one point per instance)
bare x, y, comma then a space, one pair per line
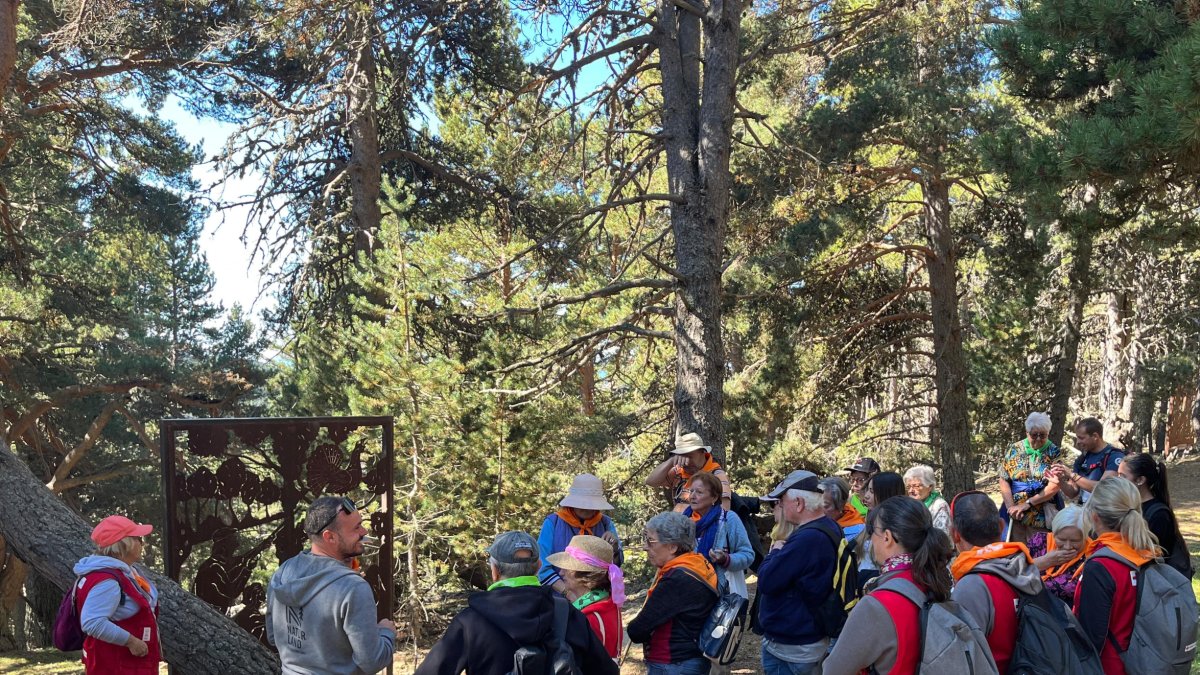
92, 563
526, 613
1014, 569
300, 578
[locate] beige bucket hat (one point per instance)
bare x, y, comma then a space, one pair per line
593, 546
689, 443
586, 492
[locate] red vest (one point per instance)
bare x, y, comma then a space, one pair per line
907, 624
103, 658
1120, 617
605, 619
1003, 636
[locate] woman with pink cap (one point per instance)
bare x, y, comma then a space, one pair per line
580, 512
588, 569
117, 605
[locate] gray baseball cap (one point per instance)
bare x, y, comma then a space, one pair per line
513, 547
796, 480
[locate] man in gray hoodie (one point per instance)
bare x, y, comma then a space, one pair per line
990, 576
320, 611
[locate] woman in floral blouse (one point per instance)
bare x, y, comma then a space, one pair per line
1027, 483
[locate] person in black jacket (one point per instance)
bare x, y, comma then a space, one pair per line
1149, 476
680, 600
515, 611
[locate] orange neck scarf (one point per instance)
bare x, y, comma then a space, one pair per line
1114, 541
1059, 570
692, 563
141, 581
710, 465
584, 526
967, 560
850, 516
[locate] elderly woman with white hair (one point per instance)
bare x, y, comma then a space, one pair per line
919, 483
1027, 484
1062, 564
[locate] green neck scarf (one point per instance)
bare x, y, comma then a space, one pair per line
592, 596
515, 582
1030, 450
933, 497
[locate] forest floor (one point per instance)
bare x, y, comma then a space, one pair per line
1185, 494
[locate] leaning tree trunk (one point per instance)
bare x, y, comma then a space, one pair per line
1079, 288
51, 538
950, 367
698, 63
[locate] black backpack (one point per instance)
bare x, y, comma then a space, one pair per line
555, 656
1050, 640
1180, 559
831, 613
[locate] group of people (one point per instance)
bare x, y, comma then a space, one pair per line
560, 596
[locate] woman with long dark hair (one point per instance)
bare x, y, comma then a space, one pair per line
882, 632
1149, 476
880, 488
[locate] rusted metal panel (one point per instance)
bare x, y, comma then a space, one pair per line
237, 490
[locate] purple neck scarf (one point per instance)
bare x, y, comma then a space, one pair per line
615, 575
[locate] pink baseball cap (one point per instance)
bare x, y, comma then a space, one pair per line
115, 528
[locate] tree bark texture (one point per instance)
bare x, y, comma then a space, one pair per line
51, 538
12, 611
698, 63
950, 367
1115, 365
9, 10
365, 165
1079, 289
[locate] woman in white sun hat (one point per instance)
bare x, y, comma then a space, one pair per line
580, 512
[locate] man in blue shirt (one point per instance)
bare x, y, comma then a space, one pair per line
1098, 459
795, 578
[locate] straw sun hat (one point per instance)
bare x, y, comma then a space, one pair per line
593, 546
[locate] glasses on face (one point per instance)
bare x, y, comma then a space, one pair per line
1038, 434
914, 486
347, 505
961, 495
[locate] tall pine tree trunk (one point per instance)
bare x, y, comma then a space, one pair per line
1079, 289
698, 109
950, 367
365, 164
1115, 365
13, 573
51, 538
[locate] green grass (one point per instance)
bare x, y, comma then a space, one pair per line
41, 662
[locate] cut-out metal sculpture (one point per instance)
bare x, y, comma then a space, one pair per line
237, 491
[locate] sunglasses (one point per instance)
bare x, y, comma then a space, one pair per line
963, 494
347, 505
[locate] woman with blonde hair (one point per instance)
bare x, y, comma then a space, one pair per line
597, 583
1106, 599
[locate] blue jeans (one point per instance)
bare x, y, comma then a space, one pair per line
773, 665
696, 666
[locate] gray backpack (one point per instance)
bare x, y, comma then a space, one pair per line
951, 643
1164, 623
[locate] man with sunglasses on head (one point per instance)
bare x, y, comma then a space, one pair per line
989, 575
320, 611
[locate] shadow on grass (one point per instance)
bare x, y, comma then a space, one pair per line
41, 662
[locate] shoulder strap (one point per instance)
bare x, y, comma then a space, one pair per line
1113, 555
697, 578
561, 614
906, 588
106, 572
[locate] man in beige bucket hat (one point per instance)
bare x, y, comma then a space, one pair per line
690, 456
580, 512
